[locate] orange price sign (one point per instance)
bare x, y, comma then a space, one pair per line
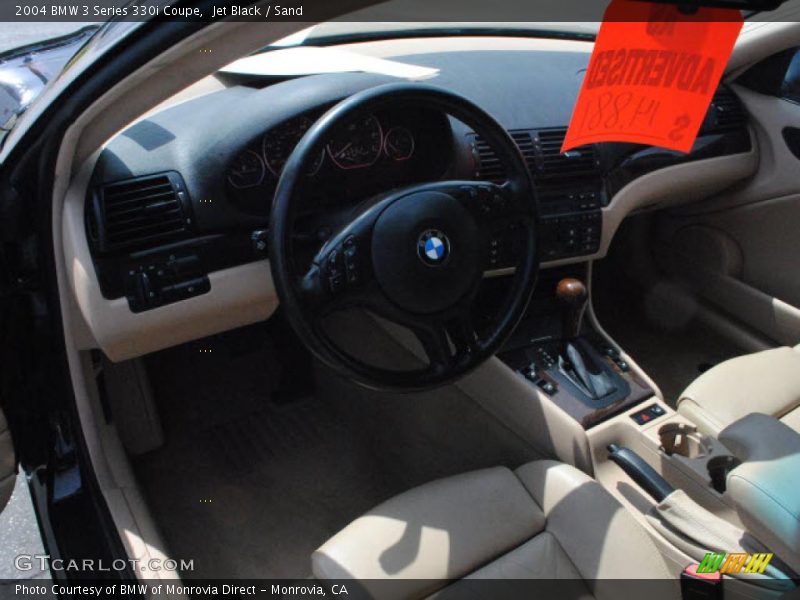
653, 74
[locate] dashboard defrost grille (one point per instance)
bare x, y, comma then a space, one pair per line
138, 212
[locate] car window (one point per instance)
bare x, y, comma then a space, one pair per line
15, 35
791, 83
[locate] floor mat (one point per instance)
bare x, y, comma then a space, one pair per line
269, 434
671, 351
255, 495
256, 473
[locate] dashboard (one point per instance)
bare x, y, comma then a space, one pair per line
175, 214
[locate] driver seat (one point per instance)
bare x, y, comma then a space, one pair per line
546, 520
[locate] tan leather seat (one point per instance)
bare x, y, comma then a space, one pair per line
546, 520
764, 487
765, 382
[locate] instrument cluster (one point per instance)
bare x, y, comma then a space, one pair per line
359, 144
366, 155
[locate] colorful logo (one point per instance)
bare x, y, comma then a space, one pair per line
433, 247
733, 563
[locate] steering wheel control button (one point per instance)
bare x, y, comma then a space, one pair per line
433, 248
336, 282
334, 262
485, 200
499, 201
486, 196
342, 266
351, 261
334, 270
469, 192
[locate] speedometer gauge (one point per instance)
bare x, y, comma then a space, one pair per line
246, 171
358, 144
279, 143
399, 144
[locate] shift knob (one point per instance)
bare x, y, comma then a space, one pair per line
572, 295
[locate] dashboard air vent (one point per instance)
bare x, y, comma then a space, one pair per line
137, 213
542, 151
489, 167
552, 164
524, 142
725, 113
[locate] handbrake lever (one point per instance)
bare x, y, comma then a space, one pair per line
642, 473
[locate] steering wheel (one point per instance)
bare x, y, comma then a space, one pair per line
414, 256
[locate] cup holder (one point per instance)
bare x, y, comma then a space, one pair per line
718, 469
684, 440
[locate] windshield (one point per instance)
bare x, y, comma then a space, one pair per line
343, 31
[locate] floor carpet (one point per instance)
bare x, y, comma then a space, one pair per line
673, 349
259, 468
253, 477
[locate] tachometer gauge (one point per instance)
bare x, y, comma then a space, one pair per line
279, 143
246, 171
399, 144
358, 144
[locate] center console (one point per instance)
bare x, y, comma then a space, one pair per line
556, 350
698, 495
562, 384
692, 491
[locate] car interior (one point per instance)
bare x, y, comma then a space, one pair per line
363, 320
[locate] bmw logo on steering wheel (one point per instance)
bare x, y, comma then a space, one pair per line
433, 248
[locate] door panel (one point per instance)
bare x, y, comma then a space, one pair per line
741, 249
746, 261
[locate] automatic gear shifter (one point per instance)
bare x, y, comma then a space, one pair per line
576, 360
573, 296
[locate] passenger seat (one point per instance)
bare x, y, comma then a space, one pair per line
766, 382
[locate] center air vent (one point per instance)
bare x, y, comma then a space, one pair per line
552, 164
542, 152
490, 168
139, 213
